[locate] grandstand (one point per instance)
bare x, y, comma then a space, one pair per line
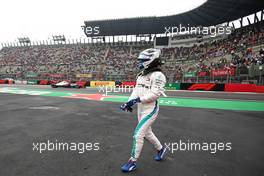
238, 57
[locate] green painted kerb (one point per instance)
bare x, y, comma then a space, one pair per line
178, 102
202, 103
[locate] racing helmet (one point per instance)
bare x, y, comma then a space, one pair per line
149, 58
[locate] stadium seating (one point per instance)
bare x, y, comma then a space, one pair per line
242, 50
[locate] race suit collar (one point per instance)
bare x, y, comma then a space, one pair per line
149, 70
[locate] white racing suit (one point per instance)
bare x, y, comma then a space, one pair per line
149, 88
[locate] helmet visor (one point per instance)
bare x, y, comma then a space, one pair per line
144, 57
141, 63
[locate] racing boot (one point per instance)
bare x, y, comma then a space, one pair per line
129, 166
160, 154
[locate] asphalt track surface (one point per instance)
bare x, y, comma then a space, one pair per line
26, 119
177, 93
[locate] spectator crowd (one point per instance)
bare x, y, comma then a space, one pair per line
119, 62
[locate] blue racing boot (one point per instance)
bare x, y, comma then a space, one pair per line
129, 166
160, 154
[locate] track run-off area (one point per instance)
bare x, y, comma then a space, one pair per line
31, 114
175, 100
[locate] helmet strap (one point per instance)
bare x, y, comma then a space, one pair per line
150, 70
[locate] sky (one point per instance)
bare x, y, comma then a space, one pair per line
40, 19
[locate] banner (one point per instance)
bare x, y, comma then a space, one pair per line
102, 83
11, 82
172, 86
202, 86
33, 82
129, 84
31, 75
240, 87
190, 74
3, 82
82, 84
259, 89
201, 74
20, 82
44, 82
223, 72
83, 75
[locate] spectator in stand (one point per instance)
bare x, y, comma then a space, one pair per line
120, 61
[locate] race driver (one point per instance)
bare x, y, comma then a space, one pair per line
149, 87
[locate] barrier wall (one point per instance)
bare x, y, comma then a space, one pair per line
240, 87
128, 84
202, 86
44, 82
172, 86
168, 86
244, 88
260, 89
81, 83
20, 82
7, 82
3, 81
102, 83
33, 82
